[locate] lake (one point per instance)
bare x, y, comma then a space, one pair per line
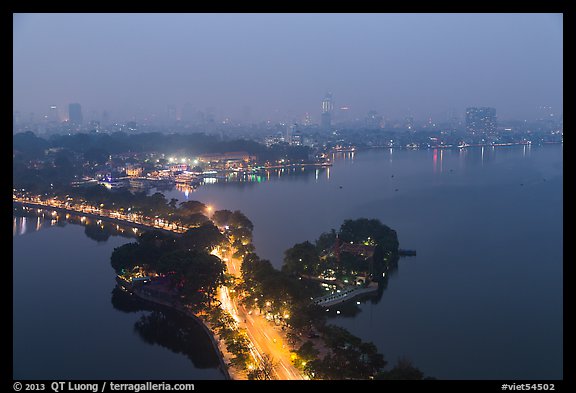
481, 300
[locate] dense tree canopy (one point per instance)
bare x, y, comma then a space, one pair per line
362, 229
302, 258
203, 238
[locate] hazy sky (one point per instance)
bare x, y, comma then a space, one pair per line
279, 66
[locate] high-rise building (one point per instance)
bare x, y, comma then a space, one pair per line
75, 114
481, 120
53, 116
327, 108
297, 139
293, 135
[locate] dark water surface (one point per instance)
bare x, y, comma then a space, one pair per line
70, 323
482, 300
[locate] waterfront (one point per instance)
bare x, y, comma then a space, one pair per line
487, 226
463, 308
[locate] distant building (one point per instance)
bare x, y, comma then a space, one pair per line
481, 120
178, 168
327, 109
292, 132
134, 171
228, 156
373, 120
75, 114
274, 139
53, 116
409, 123
297, 139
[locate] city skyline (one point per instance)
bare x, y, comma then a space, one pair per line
222, 65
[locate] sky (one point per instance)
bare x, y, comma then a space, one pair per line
254, 67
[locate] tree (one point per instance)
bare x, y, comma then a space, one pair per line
222, 217
205, 237
265, 369
361, 229
191, 207
172, 203
96, 155
125, 257
197, 274
97, 233
63, 163
29, 145
307, 352
239, 220
403, 370
302, 258
326, 241
195, 219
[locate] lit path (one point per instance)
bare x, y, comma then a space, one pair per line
131, 219
265, 338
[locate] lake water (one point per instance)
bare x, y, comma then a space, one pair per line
70, 323
482, 300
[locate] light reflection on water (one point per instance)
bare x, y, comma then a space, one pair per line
470, 214
463, 308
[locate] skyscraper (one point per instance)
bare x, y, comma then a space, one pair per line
327, 108
53, 114
75, 114
481, 120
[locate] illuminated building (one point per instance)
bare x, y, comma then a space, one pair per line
481, 120
327, 108
53, 114
134, 171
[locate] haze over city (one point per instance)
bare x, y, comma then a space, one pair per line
255, 67
284, 196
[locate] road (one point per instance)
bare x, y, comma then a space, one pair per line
132, 219
265, 337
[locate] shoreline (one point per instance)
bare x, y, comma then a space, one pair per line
214, 339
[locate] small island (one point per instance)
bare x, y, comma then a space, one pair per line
264, 323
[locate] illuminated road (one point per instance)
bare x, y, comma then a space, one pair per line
265, 337
132, 219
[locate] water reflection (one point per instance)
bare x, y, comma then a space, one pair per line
157, 325
168, 328
351, 308
245, 179
26, 220
476, 156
